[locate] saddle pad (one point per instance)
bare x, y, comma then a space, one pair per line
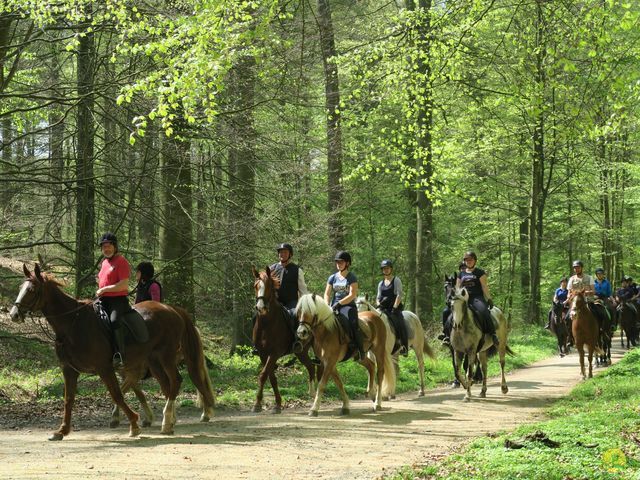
136, 326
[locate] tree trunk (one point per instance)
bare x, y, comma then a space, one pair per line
334, 134
85, 188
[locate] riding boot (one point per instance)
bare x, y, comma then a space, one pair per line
358, 340
118, 356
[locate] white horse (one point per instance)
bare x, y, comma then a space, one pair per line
415, 338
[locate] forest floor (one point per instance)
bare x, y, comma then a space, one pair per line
364, 445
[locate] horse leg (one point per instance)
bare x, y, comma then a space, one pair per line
267, 368
128, 384
590, 350
277, 408
471, 364
345, 410
372, 389
457, 359
483, 366
321, 386
580, 348
420, 357
502, 353
148, 414
311, 370
70, 388
111, 381
168, 412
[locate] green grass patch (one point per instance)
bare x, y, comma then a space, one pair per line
596, 427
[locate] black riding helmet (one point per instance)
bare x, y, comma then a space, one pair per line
386, 263
342, 255
470, 254
146, 270
627, 278
285, 246
599, 270
108, 238
577, 263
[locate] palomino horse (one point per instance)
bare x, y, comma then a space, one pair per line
83, 346
468, 339
628, 320
318, 322
558, 325
274, 338
585, 331
415, 337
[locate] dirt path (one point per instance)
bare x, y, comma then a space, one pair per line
291, 445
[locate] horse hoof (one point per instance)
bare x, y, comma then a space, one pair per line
114, 423
377, 408
256, 409
204, 418
467, 398
421, 393
276, 409
483, 394
146, 423
392, 397
313, 413
168, 431
386, 399
56, 436
505, 389
344, 411
134, 431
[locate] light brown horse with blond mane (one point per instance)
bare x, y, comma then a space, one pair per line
319, 324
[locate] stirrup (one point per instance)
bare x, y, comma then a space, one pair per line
117, 360
446, 341
442, 336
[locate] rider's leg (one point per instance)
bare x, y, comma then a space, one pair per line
488, 327
446, 325
402, 330
118, 306
358, 340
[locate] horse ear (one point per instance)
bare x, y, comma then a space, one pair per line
38, 272
26, 271
313, 297
255, 272
268, 270
366, 296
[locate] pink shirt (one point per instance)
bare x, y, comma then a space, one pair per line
154, 291
112, 271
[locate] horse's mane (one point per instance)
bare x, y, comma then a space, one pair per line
311, 304
50, 279
264, 277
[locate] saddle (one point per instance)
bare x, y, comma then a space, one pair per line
135, 326
347, 330
393, 323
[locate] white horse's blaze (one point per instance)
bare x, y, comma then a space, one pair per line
260, 305
14, 313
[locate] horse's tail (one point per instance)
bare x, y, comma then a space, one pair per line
426, 348
389, 378
194, 358
491, 351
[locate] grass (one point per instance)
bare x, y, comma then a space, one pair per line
597, 428
37, 376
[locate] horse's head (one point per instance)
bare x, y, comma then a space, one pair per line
31, 296
578, 302
449, 287
363, 304
265, 289
459, 306
311, 311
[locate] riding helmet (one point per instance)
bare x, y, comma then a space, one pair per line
470, 254
108, 238
146, 270
627, 278
564, 279
285, 246
386, 263
577, 263
342, 255
599, 270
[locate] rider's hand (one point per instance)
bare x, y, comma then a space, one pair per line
490, 303
336, 307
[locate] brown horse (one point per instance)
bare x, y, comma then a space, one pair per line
628, 320
273, 338
585, 331
318, 322
83, 346
558, 325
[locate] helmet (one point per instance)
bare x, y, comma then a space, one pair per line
342, 255
627, 278
599, 270
577, 263
108, 238
146, 270
470, 254
285, 246
563, 279
386, 263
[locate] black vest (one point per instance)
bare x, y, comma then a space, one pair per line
387, 295
288, 291
142, 291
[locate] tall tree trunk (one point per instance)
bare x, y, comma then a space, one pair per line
56, 152
176, 234
85, 188
334, 134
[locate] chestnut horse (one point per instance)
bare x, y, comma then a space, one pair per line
586, 331
274, 338
318, 322
83, 345
415, 337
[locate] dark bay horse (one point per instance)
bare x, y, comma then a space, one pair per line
83, 345
559, 326
468, 339
274, 337
318, 323
628, 320
586, 331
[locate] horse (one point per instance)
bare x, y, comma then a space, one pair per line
585, 331
606, 325
415, 337
273, 338
628, 320
318, 323
148, 413
467, 338
83, 345
558, 325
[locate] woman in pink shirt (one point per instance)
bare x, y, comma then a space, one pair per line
113, 288
148, 287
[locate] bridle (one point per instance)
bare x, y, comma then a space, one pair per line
465, 309
35, 305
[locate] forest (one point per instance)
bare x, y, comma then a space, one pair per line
205, 132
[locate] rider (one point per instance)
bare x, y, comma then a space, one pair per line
560, 296
343, 286
626, 291
446, 315
290, 277
113, 286
580, 281
148, 288
474, 279
602, 286
389, 300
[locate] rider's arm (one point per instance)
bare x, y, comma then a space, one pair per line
121, 286
327, 293
379, 295
397, 286
353, 294
485, 287
302, 285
